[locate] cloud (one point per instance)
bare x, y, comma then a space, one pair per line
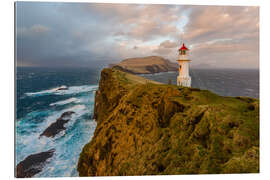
166, 49
61, 38
36, 29
229, 53
225, 36
168, 44
78, 34
143, 22
219, 22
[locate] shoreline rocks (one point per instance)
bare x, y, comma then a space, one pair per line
33, 164
57, 126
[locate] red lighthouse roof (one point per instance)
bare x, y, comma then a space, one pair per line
183, 47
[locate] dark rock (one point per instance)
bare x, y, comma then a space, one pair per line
57, 126
33, 164
62, 88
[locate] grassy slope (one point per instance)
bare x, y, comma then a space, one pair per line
150, 64
150, 128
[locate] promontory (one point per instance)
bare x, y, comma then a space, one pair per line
149, 128
146, 65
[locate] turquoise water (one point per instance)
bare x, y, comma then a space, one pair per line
39, 104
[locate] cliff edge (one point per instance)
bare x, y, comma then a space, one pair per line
148, 128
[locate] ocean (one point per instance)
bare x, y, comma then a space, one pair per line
225, 82
40, 102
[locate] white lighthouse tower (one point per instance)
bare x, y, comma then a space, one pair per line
183, 79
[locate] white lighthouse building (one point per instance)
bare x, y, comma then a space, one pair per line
183, 79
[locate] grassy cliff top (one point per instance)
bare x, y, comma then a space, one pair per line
144, 127
129, 79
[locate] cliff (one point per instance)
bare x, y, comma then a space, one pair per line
146, 65
147, 128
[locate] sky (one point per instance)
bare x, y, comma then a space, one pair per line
90, 34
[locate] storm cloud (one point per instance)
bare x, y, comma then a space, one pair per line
88, 34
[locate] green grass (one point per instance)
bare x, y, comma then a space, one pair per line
153, 128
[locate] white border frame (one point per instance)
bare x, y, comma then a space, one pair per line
7, 86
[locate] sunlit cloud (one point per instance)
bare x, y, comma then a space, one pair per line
51, 34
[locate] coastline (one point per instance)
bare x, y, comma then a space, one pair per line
121, 128
65, 101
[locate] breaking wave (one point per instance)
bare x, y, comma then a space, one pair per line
67, 101
68, 143
64, 90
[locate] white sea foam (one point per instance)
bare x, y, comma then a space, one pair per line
67, 143
67, 101
33, 143
45, 92
69, 90
68, 149
78, 109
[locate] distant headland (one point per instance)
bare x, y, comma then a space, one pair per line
145, 65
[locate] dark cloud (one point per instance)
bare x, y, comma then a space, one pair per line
58, 37
78, 34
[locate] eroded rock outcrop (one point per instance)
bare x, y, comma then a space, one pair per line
146, 128
33, 164
58, 125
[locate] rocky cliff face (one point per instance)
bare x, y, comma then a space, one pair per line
146, 128
146, 65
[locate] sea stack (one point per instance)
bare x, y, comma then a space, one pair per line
183, 79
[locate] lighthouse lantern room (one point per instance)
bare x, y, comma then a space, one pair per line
183, 79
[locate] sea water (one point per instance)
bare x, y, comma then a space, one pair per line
225, 82
40, 103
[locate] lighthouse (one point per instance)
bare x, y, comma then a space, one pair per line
183, 79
